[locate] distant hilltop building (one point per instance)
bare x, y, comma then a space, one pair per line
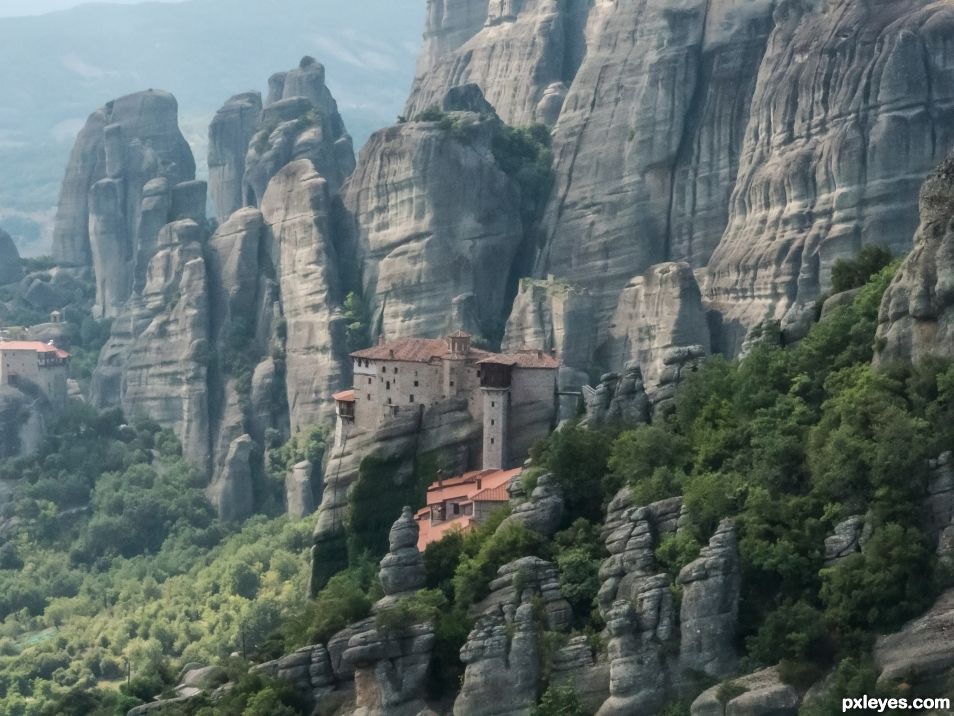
409, 375
32, 363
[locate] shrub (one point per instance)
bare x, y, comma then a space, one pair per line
847, 274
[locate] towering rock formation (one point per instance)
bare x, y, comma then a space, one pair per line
156, 360
854, 105
436, 218
644, 107
554, 316
521, 54
230, 133
710, 606
300, 121
297, 207
917, 312
659, 323
129, 153
10, 269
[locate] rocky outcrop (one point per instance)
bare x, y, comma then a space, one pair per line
391, 665
308, 669
543, 510
637, 682
710, 606
231, 488
938, 510
435, 218
922, 653
117, 191
852, 108
521, 54
617, 400
299, 494
845, 541
917, 310
501, 656
554, 316
297, 208
230, 134
586, 672
402, 569
300, 121
632, 535
24, 416
156, 360
10, 269
661, 324
649, 114
756, 694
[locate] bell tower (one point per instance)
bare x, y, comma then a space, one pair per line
495, 380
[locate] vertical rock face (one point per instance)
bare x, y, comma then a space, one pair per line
710, 606
390, 667
300, 121
522, 57
297, 207
658, 316
156, 360
917, 312
230, 133
617, 400
554, 316
623, 125
125, 145
10, 269
402, 569
436, 218
231, 489
299, 495
852, 108
502, 655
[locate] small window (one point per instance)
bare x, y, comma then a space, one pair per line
395, 370
389, 401
388, 385
492, 441
384, 369
493, 422
412, 398
417, 384
369, 396
493, 404
369, 381
456, 509
452, 384
478, 373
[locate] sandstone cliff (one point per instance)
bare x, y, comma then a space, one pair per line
915, 321
436, 219
230, 133
521, 54
760, 141
853, 107
129, 143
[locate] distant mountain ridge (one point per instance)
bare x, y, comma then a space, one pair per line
202, 51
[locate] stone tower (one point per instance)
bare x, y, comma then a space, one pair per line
495, 381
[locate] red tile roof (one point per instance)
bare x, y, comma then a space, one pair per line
345, 396
492, 494
524, 359
424, 350
412, 350
36, 346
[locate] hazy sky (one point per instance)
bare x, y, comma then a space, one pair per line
9, 8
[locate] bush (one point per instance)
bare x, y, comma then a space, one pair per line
847, 274
474, 574
423, 606
559, 700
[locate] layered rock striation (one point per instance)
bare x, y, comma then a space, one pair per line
128, 161
436, 221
